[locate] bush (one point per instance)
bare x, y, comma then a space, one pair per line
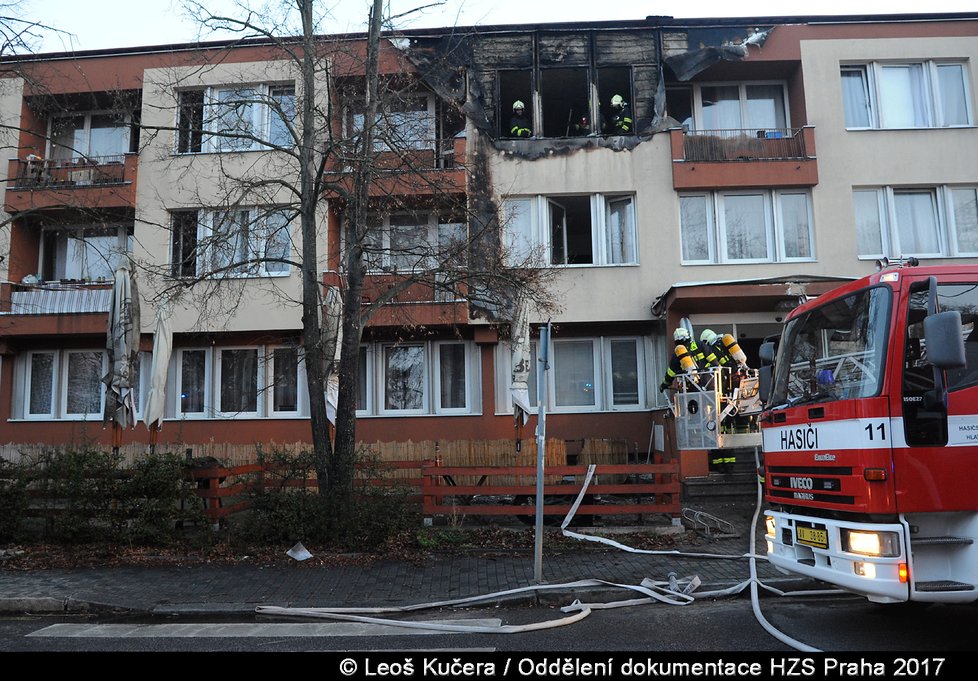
86, 495
13, 499
284, 510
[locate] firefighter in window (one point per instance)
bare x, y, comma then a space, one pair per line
519, 124
621, 117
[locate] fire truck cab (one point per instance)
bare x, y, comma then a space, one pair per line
870, 437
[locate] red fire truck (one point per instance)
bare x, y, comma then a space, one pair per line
870, 436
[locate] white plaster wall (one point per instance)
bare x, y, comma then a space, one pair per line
170, 181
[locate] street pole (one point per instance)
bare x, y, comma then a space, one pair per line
543, 358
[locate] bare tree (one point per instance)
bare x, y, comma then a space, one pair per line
346, 134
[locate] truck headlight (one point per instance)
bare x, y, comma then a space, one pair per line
769, 525
871, 543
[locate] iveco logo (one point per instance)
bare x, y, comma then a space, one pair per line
801, 483
825, 457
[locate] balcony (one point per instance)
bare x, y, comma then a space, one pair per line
54, 308
105, 182
719, 159
426, 167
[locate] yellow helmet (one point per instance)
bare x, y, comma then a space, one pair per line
680, 334
708, 336
518, 105
617, 100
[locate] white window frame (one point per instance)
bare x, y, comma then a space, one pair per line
698, 110
945, 221
256, 244
603, 385
301, 406
773, 226
436, 365
63, 388
387, 120
54, 384
606, 343
381, 256
527, 236
206, 410
260, 382
76, 233
930, 91
85, 152
264, 106
376, 368
382, 379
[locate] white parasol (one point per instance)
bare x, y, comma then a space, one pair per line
520, 344
332, 334
162, 347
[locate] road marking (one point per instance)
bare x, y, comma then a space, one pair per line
244, 630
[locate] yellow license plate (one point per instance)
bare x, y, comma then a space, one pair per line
811, 536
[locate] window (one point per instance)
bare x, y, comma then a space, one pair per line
924, 94
570, 230
746, 226
241, 242
437, 377
586, 374
414, 241
285, 380
84, 252
61, 384
98, 136
731, 106
574, 101
929, 222
404, 122
238, 381
238, 118
249, 382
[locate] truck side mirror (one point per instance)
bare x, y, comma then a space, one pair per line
766, 353
943, 334
765, 378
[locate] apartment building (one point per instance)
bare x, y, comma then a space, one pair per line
770, 159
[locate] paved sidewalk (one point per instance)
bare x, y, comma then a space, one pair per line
238, 589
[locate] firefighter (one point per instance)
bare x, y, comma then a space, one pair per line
519, 124
621, 116
687, 357
725, 349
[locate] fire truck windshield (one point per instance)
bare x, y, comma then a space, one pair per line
835, 351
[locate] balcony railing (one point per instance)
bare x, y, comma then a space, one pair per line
419, 154
40, 173
60, 298
744, 145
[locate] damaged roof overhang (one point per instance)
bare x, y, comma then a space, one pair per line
740, 295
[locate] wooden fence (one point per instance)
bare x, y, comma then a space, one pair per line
636, 489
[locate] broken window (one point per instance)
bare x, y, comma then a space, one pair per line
614, 81
679, 106
514, 86
566, 102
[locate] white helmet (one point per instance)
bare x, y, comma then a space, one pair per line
518, 105
708, 336
680, 334
617, 100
